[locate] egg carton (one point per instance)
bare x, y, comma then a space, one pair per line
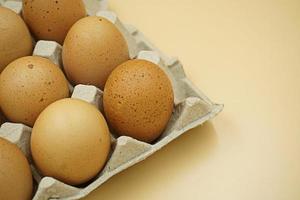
191, 108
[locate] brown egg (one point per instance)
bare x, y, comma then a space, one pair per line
70, 141
28, 85
15, 39
138, 100
15, 174
51, 20
92, 49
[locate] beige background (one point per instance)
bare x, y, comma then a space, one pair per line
245, 54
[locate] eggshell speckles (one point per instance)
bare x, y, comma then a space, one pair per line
15, 39
28, 85
15, 173
70, 141
50, 19
92, 49
138, 100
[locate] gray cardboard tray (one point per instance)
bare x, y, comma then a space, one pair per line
191, 108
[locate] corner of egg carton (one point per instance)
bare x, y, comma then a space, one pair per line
186, 112
50, 188
94, 6
126, 152
13, 5
49, 49
90, 94
187, 115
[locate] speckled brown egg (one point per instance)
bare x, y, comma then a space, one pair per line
15, 173
52, 19
28, 85
15, 39
70, 141
92, 49
138, 100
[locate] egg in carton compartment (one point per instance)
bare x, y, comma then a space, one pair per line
191, 108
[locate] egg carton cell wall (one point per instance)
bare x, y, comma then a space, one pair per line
191, 108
